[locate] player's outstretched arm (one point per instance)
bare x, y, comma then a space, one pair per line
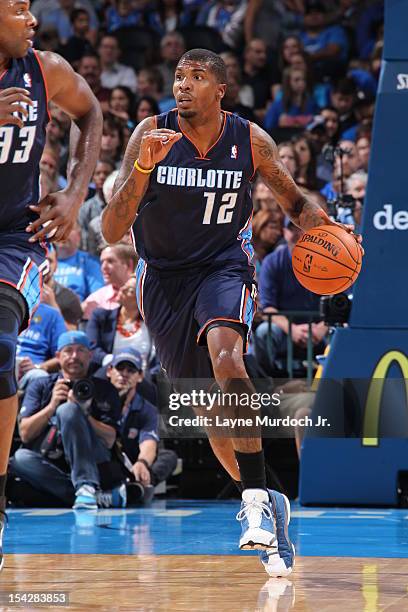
303, 212
73, 95
147, 146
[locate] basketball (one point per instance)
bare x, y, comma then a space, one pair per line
326, 260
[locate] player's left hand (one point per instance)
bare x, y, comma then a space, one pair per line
57, 216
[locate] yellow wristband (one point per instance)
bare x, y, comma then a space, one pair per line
142, 170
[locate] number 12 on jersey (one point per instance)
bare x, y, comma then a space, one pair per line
225, 211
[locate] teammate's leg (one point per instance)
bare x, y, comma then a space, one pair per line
12, 314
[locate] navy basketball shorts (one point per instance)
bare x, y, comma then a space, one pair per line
22, 265
179, 308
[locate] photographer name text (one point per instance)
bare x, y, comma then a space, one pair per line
255, 421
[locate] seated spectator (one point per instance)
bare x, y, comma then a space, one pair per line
172, 47
344, 166
257, 74
331, 124
343, 97
327, 46
77, 269
263, 199
168, 17
139, 424
118, 263
280, 290
289, 47
115, 330
124, 13
355, 187
95, 205
56, 295
50, 180
364, 114
231, 103
78, 44
41, 9
289, 157
89, 68
363, 144
58, 135
267, 235
296, 107
320, 91
37, 344
246, 94
307, 169
121, 105
47, 39
112, 139
83, 430
113, 73
96, 241
146, 106
150, 83
59, 17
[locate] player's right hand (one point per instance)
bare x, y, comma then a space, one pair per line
155, 145
10, 102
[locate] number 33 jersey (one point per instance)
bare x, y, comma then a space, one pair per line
21, 148
197, 209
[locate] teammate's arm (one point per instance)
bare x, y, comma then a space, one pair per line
303, 212
72, 94
148, 146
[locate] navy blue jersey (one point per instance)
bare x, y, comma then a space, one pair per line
197, 209
21, 149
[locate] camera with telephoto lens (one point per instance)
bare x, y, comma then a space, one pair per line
83, 389
335, 309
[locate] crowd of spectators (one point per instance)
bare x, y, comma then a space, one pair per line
306, 71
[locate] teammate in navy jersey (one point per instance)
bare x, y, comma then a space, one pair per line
28, 80
185, 189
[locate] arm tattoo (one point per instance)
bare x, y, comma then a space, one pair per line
302, 211
128, 191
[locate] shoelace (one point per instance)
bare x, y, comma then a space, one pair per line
254, 505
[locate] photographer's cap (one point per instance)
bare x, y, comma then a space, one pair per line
130, 355
73, 337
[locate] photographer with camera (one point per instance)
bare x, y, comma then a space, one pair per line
67, 425
148, 463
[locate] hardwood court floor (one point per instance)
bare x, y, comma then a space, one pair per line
210, 583
182, 555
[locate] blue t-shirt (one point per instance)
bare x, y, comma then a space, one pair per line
39, 340
332, 35
139, 423
279, 287
276, 110
81, 273
328, 191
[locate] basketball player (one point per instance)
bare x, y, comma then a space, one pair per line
185, 189
28, 80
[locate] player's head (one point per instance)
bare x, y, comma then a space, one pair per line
16, 28
199, 82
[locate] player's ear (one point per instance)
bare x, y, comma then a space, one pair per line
221, 90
